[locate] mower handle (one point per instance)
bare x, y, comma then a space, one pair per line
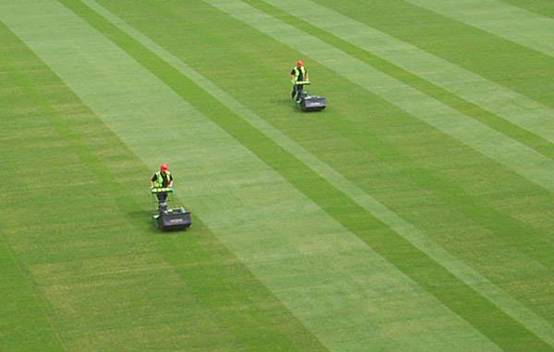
162, 190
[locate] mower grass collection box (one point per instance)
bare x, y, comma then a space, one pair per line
170, 219
307, 102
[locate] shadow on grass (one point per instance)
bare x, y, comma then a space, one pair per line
142, 218
282, 102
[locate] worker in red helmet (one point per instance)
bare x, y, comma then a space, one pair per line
298, 74
162, 179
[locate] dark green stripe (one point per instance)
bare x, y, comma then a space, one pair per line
239, 303
461, 299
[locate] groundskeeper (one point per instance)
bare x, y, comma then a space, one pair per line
162, 179
299, 73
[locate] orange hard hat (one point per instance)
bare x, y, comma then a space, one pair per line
300, 63
164, 167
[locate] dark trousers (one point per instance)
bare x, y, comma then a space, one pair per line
297, 91
162, 200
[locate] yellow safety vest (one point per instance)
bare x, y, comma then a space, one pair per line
298, 72
160, 179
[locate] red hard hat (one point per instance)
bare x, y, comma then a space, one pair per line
164, 167
300, 63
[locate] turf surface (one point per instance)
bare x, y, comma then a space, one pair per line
414, 214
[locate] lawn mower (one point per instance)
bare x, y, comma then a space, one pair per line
168, 219
307, 102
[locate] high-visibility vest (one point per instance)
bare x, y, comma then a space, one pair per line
299, 73
160, 179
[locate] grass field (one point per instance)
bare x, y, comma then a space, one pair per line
414, 214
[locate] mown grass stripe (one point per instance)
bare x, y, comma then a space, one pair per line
222, 297
518, 109
499, 18
85, 290
364, 200
193, 273
247, 214
515, 156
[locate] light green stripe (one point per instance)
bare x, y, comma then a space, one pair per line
516, 108
512, 154
463, 272
499, 18
326, 276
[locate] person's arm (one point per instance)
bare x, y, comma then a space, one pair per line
292, 76
170, 184
307, 78
152, 180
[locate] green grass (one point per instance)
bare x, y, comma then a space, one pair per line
542, 7
282, 255
90, 246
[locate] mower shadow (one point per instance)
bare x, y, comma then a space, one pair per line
143, 217
140, 214
285, 102
282, 101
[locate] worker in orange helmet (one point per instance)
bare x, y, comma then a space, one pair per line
162, 179
298, 74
